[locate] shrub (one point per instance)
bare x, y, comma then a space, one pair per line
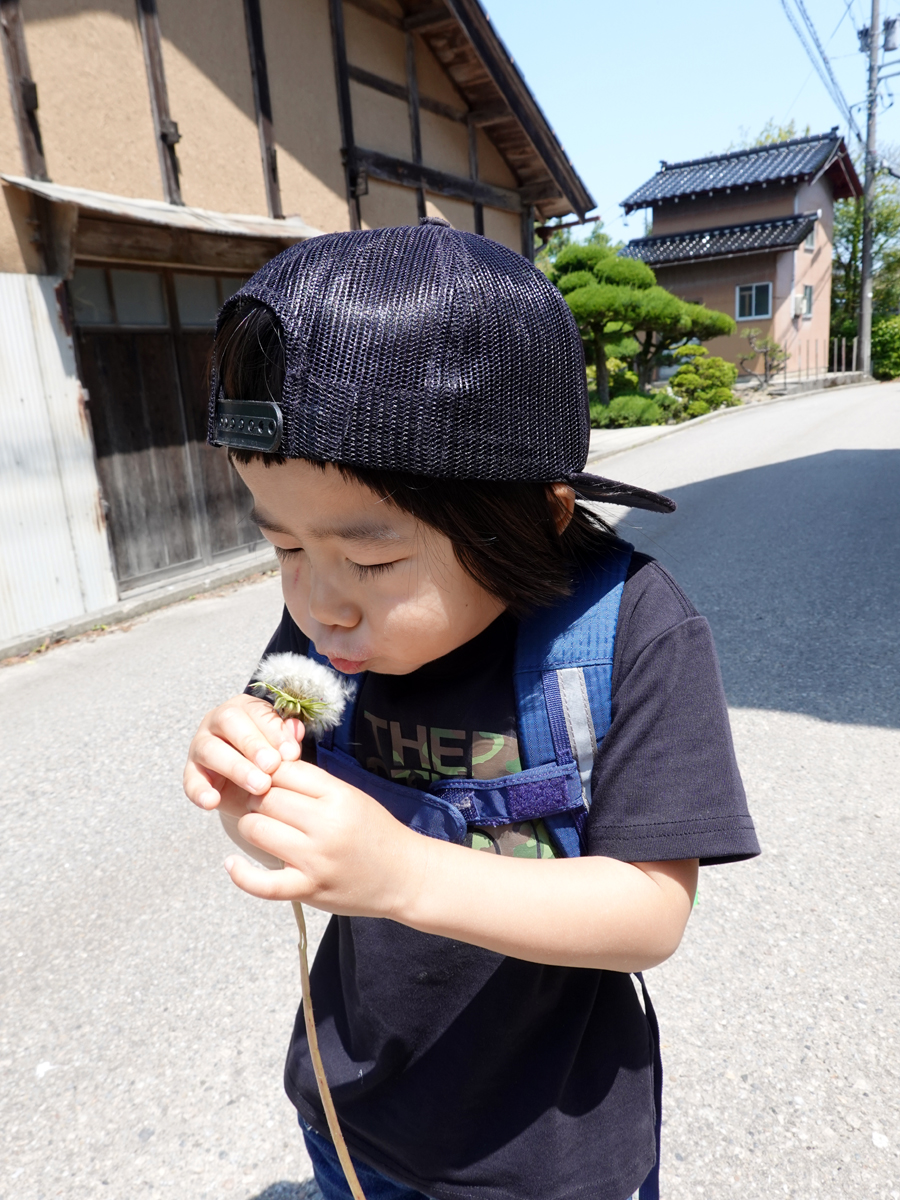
886, 348
624, 412
702, 383
622, 382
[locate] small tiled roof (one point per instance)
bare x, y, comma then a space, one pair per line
800, 158
783, 233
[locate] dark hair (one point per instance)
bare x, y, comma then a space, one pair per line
504, 533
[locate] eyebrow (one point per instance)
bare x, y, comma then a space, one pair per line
354, 531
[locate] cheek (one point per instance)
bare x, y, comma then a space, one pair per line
295, 589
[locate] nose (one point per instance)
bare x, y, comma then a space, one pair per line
328, 605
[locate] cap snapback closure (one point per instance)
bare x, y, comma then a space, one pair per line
248, 425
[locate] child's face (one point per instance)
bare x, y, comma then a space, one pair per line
373, 588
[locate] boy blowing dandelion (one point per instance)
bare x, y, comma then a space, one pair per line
408, 408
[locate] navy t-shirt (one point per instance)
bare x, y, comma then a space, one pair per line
461, 1072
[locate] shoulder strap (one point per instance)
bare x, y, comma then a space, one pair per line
563, 670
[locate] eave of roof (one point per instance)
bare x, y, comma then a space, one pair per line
175, 216
462, 38
806, 158
726, 241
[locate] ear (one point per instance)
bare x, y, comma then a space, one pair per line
563, 499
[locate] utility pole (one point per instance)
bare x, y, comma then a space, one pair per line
865, 298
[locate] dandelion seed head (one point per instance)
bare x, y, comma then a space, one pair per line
320, 694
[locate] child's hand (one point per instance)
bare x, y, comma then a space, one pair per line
237, 748
343, 851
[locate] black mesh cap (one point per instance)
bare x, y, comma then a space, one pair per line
422, 349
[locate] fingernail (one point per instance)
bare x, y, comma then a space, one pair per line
268, 759
209, 799
258, 781
229, 863
289, 751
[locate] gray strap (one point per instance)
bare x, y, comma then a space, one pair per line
579, 723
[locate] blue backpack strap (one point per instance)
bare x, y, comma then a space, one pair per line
563, 670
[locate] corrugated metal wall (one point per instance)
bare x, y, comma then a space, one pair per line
54, 555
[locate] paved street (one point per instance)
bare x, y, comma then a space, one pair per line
147, 1003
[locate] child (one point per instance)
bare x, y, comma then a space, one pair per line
408, 408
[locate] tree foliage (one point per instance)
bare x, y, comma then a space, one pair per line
770, 133
546, 252
886, 348
847, 262
702, 382
614, 298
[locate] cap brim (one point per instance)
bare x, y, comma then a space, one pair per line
610, 491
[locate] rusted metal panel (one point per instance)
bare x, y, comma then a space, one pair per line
54, 554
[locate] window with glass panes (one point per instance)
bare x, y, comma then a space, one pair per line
753, 300
144, 340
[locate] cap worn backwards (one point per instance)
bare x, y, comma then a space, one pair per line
421, 349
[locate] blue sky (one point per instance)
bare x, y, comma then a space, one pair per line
626, 84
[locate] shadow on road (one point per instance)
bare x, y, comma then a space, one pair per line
797, 567
289, 1191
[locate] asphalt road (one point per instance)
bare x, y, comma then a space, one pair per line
147, 1003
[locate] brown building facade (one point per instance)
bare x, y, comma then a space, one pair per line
153, 154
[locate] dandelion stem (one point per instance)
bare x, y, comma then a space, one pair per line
312, 1037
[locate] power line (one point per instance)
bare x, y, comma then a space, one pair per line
819, 59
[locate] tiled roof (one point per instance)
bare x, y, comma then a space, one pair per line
800, 158
783, 233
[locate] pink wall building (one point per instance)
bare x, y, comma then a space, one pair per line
750, 234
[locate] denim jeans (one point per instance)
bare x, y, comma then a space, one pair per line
333, 1185
330, 1176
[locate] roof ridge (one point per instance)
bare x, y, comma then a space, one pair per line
832, 135
682, 233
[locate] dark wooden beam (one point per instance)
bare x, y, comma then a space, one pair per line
442, 183
544, 189
428, 18
167, 135
378, 11
528, 232
473, 173
262, 100
415, 130
355, 185
488, 116
22, 90
400, 92
99, 238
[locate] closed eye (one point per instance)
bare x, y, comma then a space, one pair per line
282, 554
364, 571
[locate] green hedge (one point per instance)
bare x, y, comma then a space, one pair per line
626, 411
886, 348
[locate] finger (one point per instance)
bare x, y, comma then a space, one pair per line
283, 840
252, 727
305, 778
287, 884
213, 754
294, 731
201, 787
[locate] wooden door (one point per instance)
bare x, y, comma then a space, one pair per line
144, 339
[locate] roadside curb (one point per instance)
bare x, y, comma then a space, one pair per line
184, 587
668, 430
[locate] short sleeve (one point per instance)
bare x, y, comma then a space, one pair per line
666, 783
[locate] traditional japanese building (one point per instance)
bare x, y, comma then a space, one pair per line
153, 154
750, 234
